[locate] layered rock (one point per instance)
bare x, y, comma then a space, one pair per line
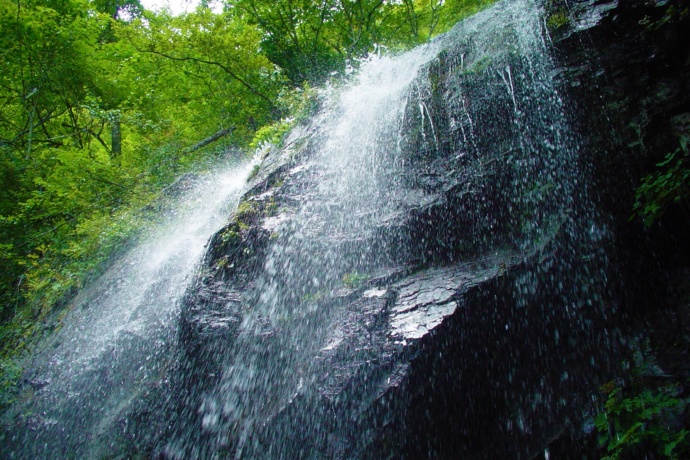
460, 287
474, 315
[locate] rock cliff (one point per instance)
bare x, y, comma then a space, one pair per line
478, 316
439, 263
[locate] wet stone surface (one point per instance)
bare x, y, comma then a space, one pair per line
445, 287
356, 308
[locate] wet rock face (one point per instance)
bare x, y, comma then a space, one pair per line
476, 317
627, 66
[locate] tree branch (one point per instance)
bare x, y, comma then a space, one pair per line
105, 181
212, 138
213, 63
98, 138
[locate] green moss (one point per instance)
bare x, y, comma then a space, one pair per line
249, 210
222, 262
246, 210
271, 208
353, 280
254, 172
313, 297
478, 66
557, 20
230, 234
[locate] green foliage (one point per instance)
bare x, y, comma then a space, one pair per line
557, 20
353, 280
119, 8
641, 423
230, 234
100, 102
310, 40
254, 172
299, 104
675, 13
207, 72
68, 201
271, 134
669, 184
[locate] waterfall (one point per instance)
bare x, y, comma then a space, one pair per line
427, 174
117, 339
416, 272
353, 180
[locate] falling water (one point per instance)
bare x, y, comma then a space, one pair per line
293, 382
353, 174
117, 339
402, 300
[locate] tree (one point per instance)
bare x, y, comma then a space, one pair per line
309, 40
215, 57
119, 9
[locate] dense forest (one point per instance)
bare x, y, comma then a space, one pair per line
543, 281
103, 104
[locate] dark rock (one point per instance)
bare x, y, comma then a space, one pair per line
462, 321
39, 382
473, 304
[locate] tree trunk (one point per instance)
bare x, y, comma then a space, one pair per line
212, 138
116, 138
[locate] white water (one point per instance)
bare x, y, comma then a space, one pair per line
360, 182
118, 336
118, 340
357, 169
139, 295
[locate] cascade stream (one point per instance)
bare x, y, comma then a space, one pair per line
117, 340
390, 208
415, 273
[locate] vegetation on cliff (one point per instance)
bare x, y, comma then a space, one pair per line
103, 104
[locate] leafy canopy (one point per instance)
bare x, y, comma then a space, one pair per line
103, 104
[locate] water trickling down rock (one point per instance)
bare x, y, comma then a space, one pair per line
431, 267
